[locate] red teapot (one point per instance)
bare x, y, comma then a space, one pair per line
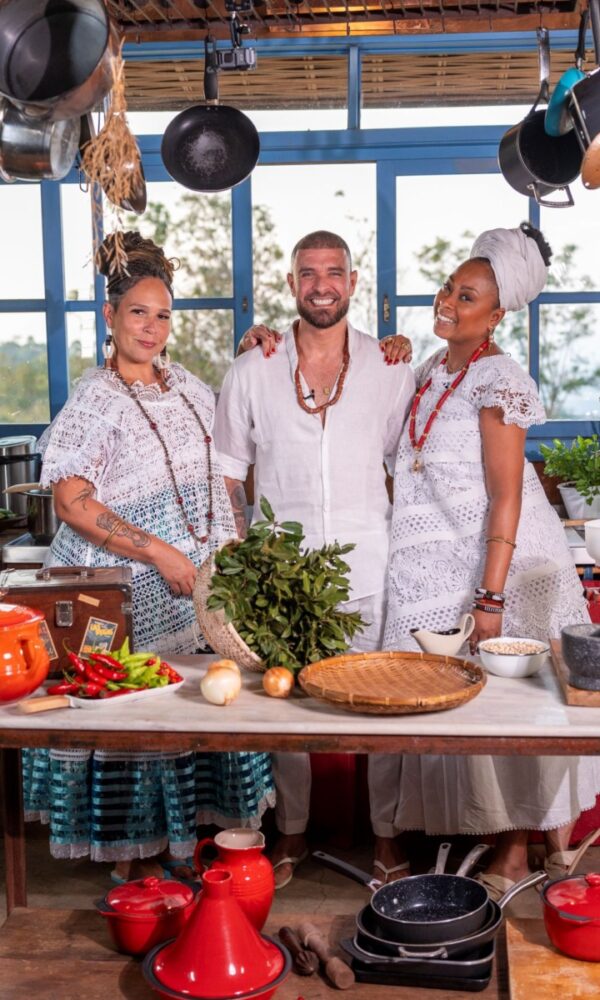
253, 882
24, 660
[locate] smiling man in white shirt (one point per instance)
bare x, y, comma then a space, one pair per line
318, 420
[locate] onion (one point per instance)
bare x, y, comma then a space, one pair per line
221, 685
278, 682
225, 665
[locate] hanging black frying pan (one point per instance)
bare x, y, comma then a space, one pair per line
210, 147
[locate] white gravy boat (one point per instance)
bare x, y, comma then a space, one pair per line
445, 643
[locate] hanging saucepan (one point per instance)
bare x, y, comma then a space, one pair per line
33, 150
422, 909
558, 120
590, 168
210, 147
56, 55
533, 162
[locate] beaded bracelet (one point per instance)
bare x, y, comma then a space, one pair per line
498, 538
489, 594
488, 608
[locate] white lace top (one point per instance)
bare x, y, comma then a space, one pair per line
438, 547
101, 435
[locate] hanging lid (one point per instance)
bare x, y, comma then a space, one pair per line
579, 895
18, 614
150, 896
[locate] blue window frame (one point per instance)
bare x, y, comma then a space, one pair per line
396, 152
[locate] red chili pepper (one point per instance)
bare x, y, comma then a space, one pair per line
107, 667
94, 677
151, 662
64, 687
79, 665
90, 690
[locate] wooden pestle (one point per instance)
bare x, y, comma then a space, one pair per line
340, 974
304, 961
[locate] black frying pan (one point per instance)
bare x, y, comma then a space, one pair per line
423, 909
210, 147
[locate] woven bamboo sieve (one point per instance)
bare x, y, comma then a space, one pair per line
393, 683
220, 633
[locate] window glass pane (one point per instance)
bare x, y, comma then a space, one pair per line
195, 228
22, 271
438, 218
202, 341
77, 242
289, 120
427, 117
288, 203
81, 344
23, 369
570, 361
573, 236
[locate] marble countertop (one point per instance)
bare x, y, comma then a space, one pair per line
529, 707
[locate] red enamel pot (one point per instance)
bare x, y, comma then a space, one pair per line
572, 915
146, 912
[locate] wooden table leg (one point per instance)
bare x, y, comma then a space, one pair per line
14, 829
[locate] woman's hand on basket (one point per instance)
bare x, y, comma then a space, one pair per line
179, 571
487, 626
263, 335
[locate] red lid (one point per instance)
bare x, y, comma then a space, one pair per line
18, 614
150, 895
579, 895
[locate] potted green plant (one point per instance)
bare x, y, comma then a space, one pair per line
578, 469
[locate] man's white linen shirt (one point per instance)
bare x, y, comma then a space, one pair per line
330, 478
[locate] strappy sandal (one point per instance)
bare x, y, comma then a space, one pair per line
293, 862
496, 885
562, 863
404, 866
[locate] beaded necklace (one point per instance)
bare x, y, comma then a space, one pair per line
418, 445
202, 539
338, 392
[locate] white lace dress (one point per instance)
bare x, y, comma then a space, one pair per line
436, 560
120, 805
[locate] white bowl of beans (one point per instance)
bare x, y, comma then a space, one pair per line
511, 657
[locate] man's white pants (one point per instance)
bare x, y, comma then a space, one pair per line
291, 771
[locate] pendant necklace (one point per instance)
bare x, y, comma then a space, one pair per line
201, 539
326, 389
417, 464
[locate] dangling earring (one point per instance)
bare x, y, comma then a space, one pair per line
108, 348
491, 334
163, 360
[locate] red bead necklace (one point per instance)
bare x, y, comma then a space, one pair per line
418, 445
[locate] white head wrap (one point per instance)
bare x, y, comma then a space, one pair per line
517, 264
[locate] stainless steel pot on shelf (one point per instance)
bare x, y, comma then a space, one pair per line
42, 521
19, 463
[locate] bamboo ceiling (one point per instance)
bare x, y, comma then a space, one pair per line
388, 81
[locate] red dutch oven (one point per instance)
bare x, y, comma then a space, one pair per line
572, 915
146, 912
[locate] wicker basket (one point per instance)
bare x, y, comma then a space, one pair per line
394, 683
215, 628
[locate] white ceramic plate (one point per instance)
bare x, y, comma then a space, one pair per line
125, 699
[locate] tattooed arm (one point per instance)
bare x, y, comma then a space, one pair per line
237, 499
75, 503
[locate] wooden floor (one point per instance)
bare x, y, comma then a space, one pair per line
67, 955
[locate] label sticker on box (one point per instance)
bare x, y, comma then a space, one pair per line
46, 637
98, 636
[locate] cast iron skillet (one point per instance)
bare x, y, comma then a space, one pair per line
422, 909
210, 147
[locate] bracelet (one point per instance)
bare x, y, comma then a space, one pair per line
489, 594
488, 608
112, 531
498, 538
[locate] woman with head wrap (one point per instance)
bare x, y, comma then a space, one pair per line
473, 531
136, 483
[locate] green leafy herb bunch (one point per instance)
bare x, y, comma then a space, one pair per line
577, 465
282, 599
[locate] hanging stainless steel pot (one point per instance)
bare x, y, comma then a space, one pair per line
42, 520
56, 55
35, 150
210, 147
